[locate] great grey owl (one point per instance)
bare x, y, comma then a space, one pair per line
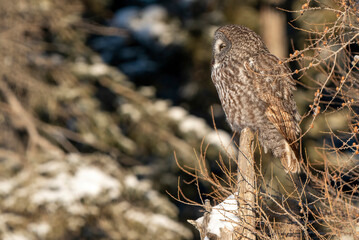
255, 90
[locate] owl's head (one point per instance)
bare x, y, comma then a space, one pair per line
234, 41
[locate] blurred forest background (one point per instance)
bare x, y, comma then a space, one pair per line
97, 95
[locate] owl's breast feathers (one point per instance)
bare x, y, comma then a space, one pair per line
236, 94
274, 86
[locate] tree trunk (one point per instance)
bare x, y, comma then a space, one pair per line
273, 30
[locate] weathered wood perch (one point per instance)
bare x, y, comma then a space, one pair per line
234, 218
246, 185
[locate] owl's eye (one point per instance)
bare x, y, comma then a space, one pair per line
221, 46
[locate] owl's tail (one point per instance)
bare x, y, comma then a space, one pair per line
290, 158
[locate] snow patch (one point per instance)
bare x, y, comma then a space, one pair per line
98, 69
40, 229
65, 188
221, 139
6, 187
159, 106
148, 24
195, 125
90, 181
132, 111
223, 215
124, 16
177, 113
131, 181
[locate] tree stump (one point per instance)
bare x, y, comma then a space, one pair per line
246, 185
235, 216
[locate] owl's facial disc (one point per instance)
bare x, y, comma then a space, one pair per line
221, 47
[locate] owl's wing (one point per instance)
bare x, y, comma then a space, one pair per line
274, 85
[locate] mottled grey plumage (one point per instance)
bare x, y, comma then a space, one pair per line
256, 91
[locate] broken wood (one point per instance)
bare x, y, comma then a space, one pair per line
234, 218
